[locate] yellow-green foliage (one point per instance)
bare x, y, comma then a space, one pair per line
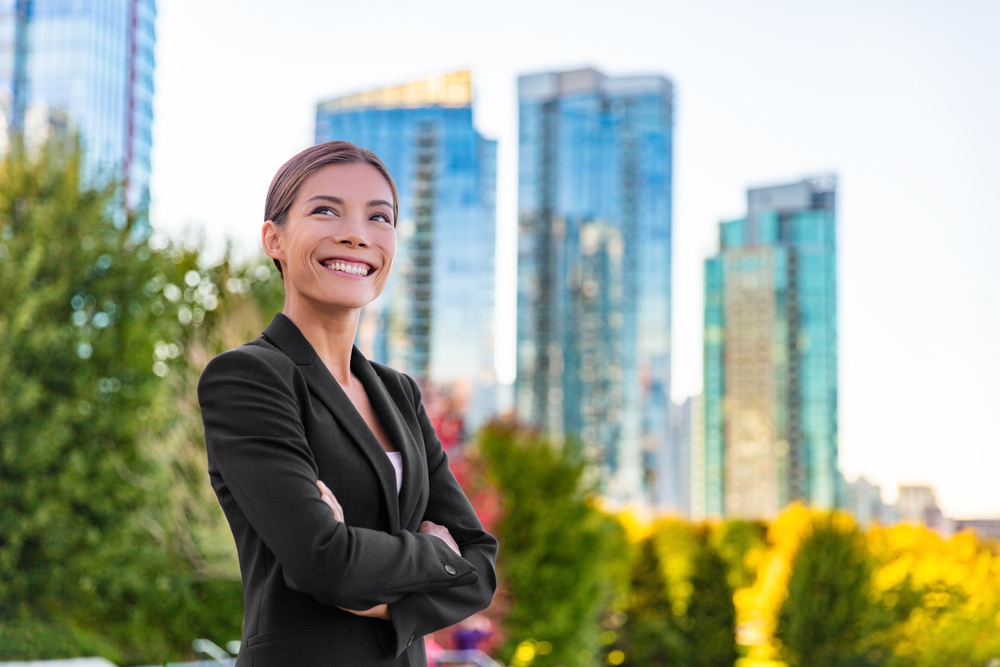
932, 601
757, 606
680, 607
943, 595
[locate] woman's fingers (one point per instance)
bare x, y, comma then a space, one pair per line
331, 500
378, 611
431, 528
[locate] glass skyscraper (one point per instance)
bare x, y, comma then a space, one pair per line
771, 355
85, 66
594, 238
435, 318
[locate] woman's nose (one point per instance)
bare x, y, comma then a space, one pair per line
352, 234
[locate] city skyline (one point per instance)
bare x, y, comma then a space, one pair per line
895, 97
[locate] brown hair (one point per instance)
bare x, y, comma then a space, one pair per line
290, 177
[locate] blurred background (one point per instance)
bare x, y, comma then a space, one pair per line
727, 264
894, 98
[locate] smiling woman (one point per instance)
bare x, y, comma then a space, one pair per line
354, 538
335, 242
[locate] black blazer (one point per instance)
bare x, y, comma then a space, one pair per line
275, 422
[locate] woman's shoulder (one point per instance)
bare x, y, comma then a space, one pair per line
254, 357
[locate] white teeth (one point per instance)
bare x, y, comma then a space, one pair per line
349, 268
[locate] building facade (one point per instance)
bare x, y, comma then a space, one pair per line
674, 474
84, 66
435, 318
594, 268
771, 355
864, 502
697, 462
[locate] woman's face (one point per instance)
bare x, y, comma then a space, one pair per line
337, 244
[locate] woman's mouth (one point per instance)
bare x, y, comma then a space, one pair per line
360, 269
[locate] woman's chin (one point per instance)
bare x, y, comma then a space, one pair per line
343, 301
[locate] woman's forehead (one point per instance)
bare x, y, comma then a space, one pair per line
353, 181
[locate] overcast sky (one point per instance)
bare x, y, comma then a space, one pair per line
900, 99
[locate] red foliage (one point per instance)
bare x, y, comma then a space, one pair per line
469, 470
484, 496
446, 409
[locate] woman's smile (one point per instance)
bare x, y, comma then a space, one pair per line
348, 266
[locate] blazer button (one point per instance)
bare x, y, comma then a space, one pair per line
449, 569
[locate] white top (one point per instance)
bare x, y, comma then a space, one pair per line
397, 462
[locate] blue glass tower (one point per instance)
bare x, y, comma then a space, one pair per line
594, 237
771, 355
85, 66
435, 318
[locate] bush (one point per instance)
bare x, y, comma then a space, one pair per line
561, 559
827, 615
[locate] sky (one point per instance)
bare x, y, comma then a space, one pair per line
899, 99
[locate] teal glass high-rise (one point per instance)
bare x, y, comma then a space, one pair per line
771, 355
435, 318
84, 66
594, 238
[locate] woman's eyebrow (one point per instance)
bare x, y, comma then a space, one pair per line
335, 200
338, 200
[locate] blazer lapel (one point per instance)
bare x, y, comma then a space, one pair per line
283, 333
392, 421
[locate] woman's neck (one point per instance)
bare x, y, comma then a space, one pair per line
331, 333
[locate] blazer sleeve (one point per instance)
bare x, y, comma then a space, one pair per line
418, 614
256, 442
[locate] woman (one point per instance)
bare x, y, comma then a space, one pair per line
354, 538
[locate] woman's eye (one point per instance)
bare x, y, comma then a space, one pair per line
325, 210
382, 217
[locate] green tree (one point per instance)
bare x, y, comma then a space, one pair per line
96, 552
681, 609
651, 635
741, 544
710, 627
561, 559
825, 619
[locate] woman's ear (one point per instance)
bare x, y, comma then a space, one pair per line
270, 239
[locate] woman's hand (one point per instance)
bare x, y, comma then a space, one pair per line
428, 527
331, 500
378, 611
431, 528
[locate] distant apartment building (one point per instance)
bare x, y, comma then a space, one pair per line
697, 463
865, 503
675, 474
985, 529
771, 355
917, 503
435, 318
83, 67
594, 268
